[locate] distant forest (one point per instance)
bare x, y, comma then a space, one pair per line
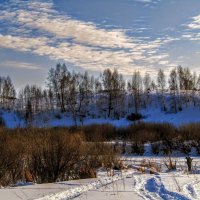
108, 96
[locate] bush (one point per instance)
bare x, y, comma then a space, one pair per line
99, 133
54, 155
155, 148
87, 173
167, 147
134, 117
190, 132
58, 116
198, 147
185, 148
2, 122
137, 148
11, 158
170, 164
49, 155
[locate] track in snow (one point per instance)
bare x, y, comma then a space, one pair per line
192, 189
154, 189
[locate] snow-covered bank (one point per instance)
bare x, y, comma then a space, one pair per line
188, 115
153, 115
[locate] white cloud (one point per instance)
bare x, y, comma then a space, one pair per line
91, 48
195, 24
22, 43
48, 20
21, 65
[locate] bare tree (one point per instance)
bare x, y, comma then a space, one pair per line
194, 88
173, 85
57, 79
113, 88
7, 92
161, 82
147, 89
135, 88
185, 82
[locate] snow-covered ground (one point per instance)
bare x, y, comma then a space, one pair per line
188, 115
34, 191
155, 115
11, 119
125, 185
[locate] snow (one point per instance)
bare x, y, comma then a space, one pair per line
192, 189
35, 191
64, 120
152, 114
122, 189
12, 120
128, 185
188, 115
75, 192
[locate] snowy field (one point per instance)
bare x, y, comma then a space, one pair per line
128, 184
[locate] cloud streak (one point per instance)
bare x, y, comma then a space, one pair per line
21, 65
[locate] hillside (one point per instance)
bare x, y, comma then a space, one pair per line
189, 114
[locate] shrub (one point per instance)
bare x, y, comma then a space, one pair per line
137, 148
198, 148
154, 167
167, 147
58, 116
2, 122
11, 158
49, 155
189, 163
54, 155
134, 117
99, 133
155, 148
170, 164
185, 148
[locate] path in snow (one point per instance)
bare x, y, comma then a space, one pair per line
153, 188
94, 186
192, 189
155, 185
120, 190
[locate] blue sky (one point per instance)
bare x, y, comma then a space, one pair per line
93, 35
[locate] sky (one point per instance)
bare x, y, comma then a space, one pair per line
92, 35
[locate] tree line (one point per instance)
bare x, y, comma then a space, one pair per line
109, 95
